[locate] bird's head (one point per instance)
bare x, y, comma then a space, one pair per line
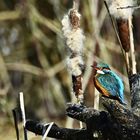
102, 68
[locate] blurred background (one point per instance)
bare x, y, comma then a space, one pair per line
33, 54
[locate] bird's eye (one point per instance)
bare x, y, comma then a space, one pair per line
106, 68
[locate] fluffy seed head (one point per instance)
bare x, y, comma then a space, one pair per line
74, 41
74, 37
115, 8
74, 65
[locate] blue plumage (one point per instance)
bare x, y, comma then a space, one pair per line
109, 83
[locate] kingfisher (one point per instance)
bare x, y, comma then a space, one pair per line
108, 83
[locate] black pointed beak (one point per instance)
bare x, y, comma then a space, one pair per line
94, 67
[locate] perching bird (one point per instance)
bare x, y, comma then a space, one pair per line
108, 83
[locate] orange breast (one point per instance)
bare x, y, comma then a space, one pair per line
100, 88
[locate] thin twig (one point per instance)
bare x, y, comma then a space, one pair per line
131, 7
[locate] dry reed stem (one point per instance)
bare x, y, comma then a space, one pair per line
4, 77
94, 11
10, 15
37, 17
22, 108
127, 63
97, 23
132, 49
22, 67
47, 131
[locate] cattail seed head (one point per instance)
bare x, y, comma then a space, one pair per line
121, 14
123, 29
117, 12
74, 41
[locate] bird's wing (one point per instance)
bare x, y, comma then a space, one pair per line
112, 84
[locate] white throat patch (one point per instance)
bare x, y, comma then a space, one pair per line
100, 72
